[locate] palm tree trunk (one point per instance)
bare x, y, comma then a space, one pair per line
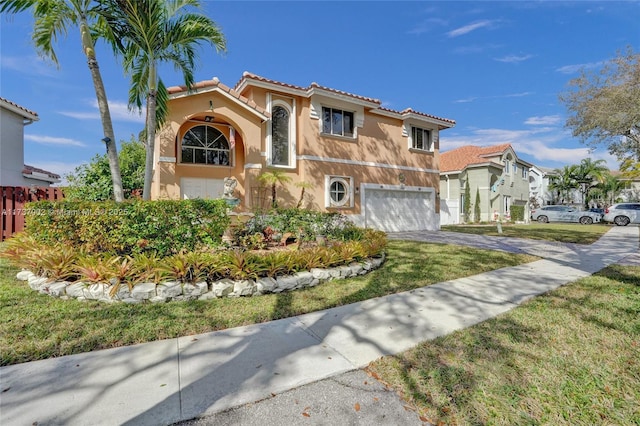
105, 115
151, 135
274, 203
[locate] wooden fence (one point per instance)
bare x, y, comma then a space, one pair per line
14, 208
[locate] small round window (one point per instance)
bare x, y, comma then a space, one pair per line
338, 192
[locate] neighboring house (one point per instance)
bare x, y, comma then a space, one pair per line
13, 171
539, 180
631, 191
494, 172
374, 164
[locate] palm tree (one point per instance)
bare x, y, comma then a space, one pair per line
274, 178
564, 182
150, 32
610, 188
588, 174
52, 17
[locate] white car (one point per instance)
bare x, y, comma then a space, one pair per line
622, 214
561, 213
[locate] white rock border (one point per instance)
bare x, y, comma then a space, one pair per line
166, 291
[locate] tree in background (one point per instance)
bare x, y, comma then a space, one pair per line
604, 108
150, 32
52, 18
564, 182
92, 181
588, 174
467, 202
476, 207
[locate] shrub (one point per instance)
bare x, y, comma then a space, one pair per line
304, 224
517, 213
165, 227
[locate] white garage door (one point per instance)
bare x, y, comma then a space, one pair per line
201, 188
399, 210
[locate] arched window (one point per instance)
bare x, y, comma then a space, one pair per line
280, 136
205, 145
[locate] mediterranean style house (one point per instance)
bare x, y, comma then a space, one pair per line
13, 171
495, 173
378, 166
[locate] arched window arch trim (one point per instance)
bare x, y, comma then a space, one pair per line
204, 144
291, 111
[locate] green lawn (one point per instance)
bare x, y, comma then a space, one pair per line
34, 326
570, 357
559, 232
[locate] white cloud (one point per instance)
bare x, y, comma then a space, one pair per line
545, 120
470, 27
50, 140
508, 95
119, 112
426, 26
571, 69
512, 59
30, 64
465, 100
543, 146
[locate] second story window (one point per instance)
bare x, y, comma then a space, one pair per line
421, 139
280, 137
337, 122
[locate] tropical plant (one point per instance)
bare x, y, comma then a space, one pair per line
52, 18
608, 191
564, 183
57, 263
92, 268
92, 181
278, 263
303, 187
243, 265
273, 178
150, 32
588, 174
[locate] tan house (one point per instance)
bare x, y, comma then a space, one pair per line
495, 172
376, 165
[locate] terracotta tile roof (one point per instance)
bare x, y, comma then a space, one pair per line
215, 82
460, 158
15, 106
250, 76
412, 111
29, 170
303, 91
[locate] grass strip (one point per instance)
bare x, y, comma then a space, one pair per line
570, 357
558, 232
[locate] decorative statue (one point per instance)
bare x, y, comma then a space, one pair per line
229, 187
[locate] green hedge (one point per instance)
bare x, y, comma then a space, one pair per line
517, 213
136, 226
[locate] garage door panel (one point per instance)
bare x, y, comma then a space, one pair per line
396, 210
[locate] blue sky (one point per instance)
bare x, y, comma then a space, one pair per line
495, 67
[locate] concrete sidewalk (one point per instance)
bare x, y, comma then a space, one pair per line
168, 381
